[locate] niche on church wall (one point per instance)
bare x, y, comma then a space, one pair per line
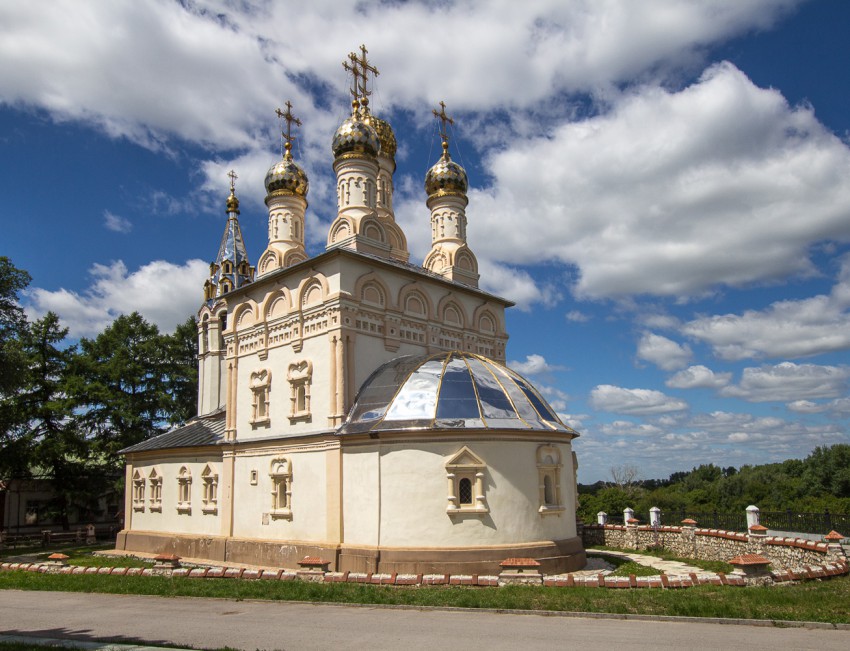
549, 479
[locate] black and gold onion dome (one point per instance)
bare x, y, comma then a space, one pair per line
389, 146
356, 136
446, 176
287, 177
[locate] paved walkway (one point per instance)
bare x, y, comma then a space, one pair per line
668, 567
215, 623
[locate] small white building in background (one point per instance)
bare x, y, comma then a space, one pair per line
353, 405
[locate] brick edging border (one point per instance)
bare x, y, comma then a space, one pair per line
807, 572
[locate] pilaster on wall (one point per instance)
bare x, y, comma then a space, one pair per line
227, 490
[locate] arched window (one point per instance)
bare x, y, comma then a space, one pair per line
210, 500
184, 490
138, 491
466, 474
281, 476
464, 491
155, 494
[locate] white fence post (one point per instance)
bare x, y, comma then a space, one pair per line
602, 518
655, 517
752, 516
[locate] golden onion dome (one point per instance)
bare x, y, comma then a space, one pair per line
287, 176
232, 202
385, 135
357, 137
446, 176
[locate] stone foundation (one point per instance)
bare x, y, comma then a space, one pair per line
554, 557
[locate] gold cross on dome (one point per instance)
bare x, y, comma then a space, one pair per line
233, 178
355, 75
443, 119
290, 120
360, 68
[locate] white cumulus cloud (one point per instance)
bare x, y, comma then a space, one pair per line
663, 352
638, 402
164, 293
789, 382
790, 329
698, 377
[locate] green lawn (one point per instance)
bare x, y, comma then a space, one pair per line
822, 601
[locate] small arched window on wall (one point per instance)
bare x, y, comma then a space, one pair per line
184, 490
260, 384
467, 486
138, 491
155, 494
549, 479
300, 376
210, 500
281, 478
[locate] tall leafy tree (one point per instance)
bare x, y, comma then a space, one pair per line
12, 322
181, 350
44, 441
119, 385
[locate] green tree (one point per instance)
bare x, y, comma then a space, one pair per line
181, 358
119, 386
44, 441
12, 322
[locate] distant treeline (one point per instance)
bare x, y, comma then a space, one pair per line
817, 483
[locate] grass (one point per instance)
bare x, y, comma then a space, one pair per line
821, 601
78, 555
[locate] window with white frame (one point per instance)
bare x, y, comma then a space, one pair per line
184, 490
300, 376
155, 491
281, 476
210, 498
549, 479
260, 384
466, 474
138, 491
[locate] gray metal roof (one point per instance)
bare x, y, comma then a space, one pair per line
446, 391
205, 430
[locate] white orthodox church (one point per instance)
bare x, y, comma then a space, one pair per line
353, 405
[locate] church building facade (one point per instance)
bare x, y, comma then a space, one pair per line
353, 405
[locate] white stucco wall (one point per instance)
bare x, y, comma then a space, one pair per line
192, 521
253, 503
413, 496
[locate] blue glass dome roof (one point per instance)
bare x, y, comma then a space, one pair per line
449, 391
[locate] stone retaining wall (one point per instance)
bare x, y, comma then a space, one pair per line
714, 544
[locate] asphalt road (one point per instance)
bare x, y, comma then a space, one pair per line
250, 625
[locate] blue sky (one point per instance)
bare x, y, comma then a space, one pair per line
662, 187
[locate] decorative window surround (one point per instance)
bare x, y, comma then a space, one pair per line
210, 499
549, 480
465, 473
281, 476
260, 384
155, 491
300, 376
138, 491
184, 491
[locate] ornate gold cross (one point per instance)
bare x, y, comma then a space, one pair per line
290, 120
233, 178
443, 119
